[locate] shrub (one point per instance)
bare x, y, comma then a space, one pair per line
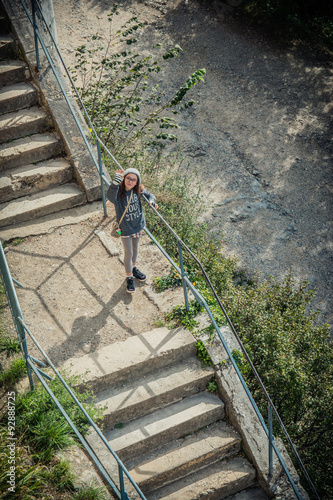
29, 477
125, 105
306, 20
294, 359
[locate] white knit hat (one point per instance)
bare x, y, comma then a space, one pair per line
133, 171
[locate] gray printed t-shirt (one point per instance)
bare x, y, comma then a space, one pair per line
134, 220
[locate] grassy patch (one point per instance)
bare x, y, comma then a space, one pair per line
203, 354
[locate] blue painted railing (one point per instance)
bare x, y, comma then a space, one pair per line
34, 365
186, 282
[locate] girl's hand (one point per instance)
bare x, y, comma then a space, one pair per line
153, 204
118, 177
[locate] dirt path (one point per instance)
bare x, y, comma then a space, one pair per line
259, 135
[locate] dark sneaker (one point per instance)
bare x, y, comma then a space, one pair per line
138, 274
130, 284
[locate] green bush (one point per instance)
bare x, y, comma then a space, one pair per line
9, 346
308, 20
180, 316
60, 474
202, 354
43, 430
29, 477
126, 107
294, 358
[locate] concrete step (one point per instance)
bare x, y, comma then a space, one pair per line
17, 96
30, 179
37, 205
13, 72
155, 390
7, 42
22, 123
50, 222
30, 149
151, 432
122, 361
184, 456
215, 482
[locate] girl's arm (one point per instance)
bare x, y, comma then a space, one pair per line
150, 197
113, 189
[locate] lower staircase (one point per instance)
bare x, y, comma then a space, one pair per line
36, 178
162, 422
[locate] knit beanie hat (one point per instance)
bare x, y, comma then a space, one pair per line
133, 171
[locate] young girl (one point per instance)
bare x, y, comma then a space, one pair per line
125, 192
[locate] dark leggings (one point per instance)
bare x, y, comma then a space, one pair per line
131, 249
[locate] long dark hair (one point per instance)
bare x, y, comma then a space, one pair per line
138, 188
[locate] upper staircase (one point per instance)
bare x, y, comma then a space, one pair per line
36, 178
161, 420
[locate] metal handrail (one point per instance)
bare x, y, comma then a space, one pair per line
37, 36
91, 422
185, 280
31, 362
203, 302
271, 406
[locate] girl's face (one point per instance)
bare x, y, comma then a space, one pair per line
130, 181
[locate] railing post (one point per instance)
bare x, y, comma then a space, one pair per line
183, 275
101, 176
15, 310
270, 439
33, 6
122, 484
23, 339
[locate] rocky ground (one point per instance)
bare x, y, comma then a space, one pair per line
259, 136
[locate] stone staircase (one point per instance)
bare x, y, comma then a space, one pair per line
36, 179
162, 422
